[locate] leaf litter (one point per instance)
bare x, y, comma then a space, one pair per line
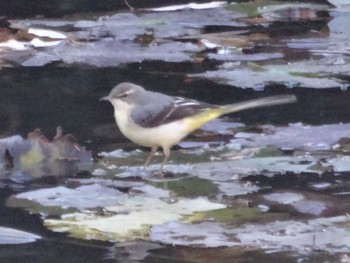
37, 156
116, 207
180, 36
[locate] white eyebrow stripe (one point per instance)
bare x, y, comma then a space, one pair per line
125, 93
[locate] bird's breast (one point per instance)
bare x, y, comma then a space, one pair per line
164, 135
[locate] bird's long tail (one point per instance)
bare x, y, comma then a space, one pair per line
198, 120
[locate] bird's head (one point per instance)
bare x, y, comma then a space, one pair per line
124, 93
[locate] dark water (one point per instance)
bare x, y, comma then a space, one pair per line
46, 97
54, 8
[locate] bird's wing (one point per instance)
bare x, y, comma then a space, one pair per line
155, 114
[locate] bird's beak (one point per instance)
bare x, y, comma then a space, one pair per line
106, 98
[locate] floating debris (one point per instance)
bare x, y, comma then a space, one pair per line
37, 153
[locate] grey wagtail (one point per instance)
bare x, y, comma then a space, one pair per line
155, 120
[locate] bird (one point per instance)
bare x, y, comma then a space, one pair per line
154, 120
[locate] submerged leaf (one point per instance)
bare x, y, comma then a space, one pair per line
230, 216
307, 74
237, 216
272, 8
132, 220
274, 236
191, 187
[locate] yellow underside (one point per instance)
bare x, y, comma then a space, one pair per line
196, 121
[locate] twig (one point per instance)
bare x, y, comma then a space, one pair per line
129, 6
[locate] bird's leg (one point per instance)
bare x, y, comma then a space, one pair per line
166, 151
153, 151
